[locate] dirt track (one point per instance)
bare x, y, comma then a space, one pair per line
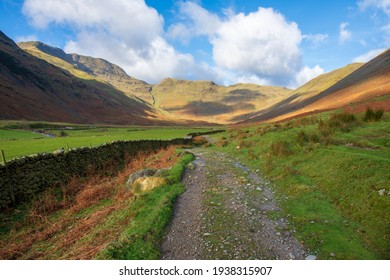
228, 212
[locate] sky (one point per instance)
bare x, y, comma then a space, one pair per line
284, 43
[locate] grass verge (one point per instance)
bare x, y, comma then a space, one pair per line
331, 174
153, 211
95, 217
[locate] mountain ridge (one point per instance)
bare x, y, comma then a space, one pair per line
33, 89
193, 100
206, 101
365, 81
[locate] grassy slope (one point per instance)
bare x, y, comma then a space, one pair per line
324, 81
124, 83
205, 100
130, 86
95, 217
32, 89
153, 211
328, 184
25, 144
193, 100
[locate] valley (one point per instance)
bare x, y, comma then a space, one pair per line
291, 174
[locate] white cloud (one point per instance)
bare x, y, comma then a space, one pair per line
261, 46
26, 38
344, 34
263, 43
306, 74
368, 56
198, 21
128, 33
383, 5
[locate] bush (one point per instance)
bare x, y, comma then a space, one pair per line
372, 115
63, 134
280, 148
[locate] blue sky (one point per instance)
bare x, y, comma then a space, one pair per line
260, 41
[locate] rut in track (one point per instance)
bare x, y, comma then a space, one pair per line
227, 212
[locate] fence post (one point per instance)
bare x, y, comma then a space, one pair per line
11, 189
2, 153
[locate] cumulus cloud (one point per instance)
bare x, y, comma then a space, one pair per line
344, 34
306, 74
368, 56
261, 47
129, 33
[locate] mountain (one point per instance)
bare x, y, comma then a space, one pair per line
205, 100
32, 89
330, 91
192, 100
91, 68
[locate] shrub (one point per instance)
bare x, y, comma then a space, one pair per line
280, 148
63, 134
372, 115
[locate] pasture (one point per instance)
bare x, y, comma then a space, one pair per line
19, 142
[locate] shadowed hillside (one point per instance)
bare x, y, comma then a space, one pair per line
90, 67
33, 89
361, 82
192, 100
205, 100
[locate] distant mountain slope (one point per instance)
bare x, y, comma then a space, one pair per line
90, 67
32, 89
193, 100
363, 82
205, 100
324, 81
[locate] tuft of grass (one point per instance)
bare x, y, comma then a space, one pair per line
373, 116
302, 138
342, 121
280, 148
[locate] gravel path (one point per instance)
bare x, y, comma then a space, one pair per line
227, 212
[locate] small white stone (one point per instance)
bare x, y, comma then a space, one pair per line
311, 258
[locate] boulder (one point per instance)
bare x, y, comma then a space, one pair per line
145, 184
139, 174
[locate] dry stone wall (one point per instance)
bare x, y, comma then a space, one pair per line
24, 177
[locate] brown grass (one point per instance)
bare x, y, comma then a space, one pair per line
44, 234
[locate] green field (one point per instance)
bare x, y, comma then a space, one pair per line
16, 142
332, 175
